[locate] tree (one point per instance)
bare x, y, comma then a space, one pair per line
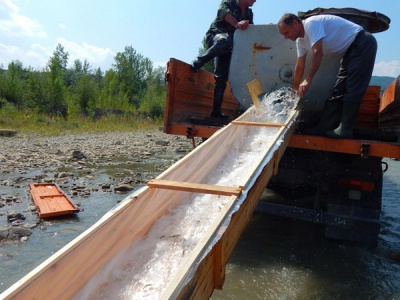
11, 84
132, 70
37, 92
86, 94
57, 68
113, 96
154, 101
58, 62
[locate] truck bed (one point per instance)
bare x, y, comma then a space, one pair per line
189, 102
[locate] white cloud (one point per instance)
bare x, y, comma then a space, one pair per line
384, 68
36, 56
96, 56
12, 23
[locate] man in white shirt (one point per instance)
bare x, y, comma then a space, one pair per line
332, 35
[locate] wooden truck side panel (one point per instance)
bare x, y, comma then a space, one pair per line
189, 101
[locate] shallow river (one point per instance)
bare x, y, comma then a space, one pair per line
275, 258
278, 258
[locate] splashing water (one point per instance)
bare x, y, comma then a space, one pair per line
276, 106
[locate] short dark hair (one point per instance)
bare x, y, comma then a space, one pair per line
288, 19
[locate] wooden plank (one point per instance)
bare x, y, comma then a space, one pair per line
219, 265
8, 132
256, 89
246, 123
390, 95
50, 201
194, 187
197, 131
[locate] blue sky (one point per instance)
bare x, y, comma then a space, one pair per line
157, 29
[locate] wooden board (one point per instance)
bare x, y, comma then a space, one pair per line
190, 96
389, 109
50, 200
194, 187
7, 132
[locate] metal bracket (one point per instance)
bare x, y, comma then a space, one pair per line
190, 134
365, 150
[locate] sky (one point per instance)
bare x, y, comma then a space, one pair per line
157, 29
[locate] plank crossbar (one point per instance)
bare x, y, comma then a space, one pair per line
195, 187
50, 196
246, 123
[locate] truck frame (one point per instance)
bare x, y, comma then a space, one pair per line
335, 182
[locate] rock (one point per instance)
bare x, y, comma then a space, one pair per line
106, 186
13, 216
64, 175
162, 143
14, 233
78, 154
123, 188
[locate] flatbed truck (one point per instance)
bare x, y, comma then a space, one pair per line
334, 182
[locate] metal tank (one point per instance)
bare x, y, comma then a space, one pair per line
260, 52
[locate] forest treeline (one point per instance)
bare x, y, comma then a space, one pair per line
132, 85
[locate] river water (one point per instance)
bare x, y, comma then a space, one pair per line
275, 258
278, 258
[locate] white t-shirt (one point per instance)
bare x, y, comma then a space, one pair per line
336, 33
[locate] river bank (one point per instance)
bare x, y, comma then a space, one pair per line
96, 170
73, 162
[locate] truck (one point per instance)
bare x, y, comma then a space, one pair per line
333, 182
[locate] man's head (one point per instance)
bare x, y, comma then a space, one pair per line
247, 3
291, 27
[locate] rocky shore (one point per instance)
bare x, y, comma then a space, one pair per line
66, 159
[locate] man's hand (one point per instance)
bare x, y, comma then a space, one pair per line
243, 25
303, 87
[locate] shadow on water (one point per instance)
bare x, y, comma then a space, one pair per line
279, 258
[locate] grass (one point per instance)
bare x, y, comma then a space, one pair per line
25, 122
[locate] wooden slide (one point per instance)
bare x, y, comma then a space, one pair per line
73, 271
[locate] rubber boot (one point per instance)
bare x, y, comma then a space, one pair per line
349, 114
329, 120
217, 49
218, 99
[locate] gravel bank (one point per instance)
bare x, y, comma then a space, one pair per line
73, 162
23, 151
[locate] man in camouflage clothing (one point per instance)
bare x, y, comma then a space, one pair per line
231, 15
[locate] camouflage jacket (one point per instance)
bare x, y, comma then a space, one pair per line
232, 7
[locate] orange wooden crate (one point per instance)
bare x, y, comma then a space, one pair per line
51, 201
